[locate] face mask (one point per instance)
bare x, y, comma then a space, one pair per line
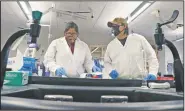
115, 30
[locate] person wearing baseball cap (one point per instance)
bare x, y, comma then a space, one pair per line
127, 54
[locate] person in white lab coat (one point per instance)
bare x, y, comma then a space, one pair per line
126, 55
68, 55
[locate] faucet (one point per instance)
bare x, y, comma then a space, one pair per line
34, 32
177, 64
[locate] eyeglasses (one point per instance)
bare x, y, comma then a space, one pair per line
69, 33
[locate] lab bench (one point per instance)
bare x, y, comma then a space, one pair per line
86, 95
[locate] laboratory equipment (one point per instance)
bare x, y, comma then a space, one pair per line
34, 32
177, 65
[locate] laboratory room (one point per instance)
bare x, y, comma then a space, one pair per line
92, 55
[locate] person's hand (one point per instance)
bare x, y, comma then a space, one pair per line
96, 69
114, 74
60, 72
150, 77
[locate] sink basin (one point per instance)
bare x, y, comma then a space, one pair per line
88, 98
85, 95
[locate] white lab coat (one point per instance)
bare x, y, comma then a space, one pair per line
60, 55
130, 60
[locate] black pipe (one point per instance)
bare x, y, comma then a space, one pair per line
178, 67
6, 49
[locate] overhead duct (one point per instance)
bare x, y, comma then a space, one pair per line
60, 14
73, 14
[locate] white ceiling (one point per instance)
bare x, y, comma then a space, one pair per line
93, 31
145, 24
11, 18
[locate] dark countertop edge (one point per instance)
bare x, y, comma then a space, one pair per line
54, 105
41, 86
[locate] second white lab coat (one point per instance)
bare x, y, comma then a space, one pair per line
60, 55
130, 60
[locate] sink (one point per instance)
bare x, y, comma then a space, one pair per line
88, 98
85, 95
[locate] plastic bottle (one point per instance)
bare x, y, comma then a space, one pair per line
39, 70
47, 73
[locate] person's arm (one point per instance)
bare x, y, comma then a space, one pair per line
88, 62
49, 58
150, 57
107, 64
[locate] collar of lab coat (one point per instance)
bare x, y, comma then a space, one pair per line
63, 39
118, 43
76, 47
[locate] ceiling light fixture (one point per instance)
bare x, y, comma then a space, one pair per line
26, 8
177, 40
140, 9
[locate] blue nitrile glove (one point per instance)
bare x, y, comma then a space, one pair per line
114, 74
96, 69
150, 77
60, 72
97, 64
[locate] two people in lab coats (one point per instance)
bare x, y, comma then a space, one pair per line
68, 55
127, 55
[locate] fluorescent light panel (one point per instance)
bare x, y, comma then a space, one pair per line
179, 40
24, 6
30, 17
138, 12
26, 10
43, 25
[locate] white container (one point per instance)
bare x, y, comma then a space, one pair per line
114, 99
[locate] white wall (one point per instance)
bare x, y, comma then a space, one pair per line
169, 56
10, 20
165, 56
